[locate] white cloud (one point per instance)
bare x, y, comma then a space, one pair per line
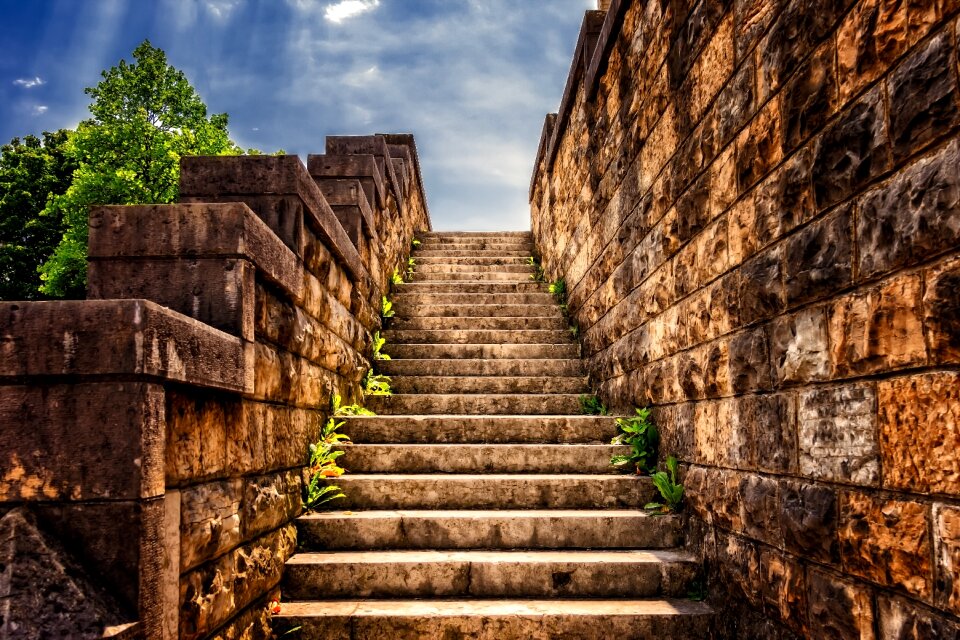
340, 11
220, 9
29, 83
40, 109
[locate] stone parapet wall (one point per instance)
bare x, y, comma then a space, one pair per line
159, 428
755, 205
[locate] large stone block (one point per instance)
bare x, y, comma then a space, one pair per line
713, 424
878, 329
760, 505
799, 347
750, 361
887, 542
738, 565
769, 422
781, 202
924, 89
762, 290
912, 217
751, 20
759, 147
839, 608
870, 39
852, 151
197, 435
808, 519
81, 441
946, 540
903, 619
919, 421
269, 501
818, 260
810, 98
209, 521
941, 311
838, 434
783, 588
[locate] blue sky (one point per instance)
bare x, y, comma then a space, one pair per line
472, 79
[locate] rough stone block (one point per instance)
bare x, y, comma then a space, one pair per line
759, 504
810, 98
770, 422
81, 441
941, 308
735, 105
739, 568
799, 347
762, 290
782, 201
808, 519
919, 421
750, 361
209, 521
905, 620
878, 329
715, 363
946, 540
838, 434
870, 39
887, 542
912, 217
924, 89
783, 588
751, 20
852, 151
269, 501
196, 435
759, 147
839, 608
818, 260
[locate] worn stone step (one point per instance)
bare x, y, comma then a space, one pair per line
443, 252
483, 367
487, 574
493, 491
474, 234
427, 429
473, 276
502, 323
466, 241
477, 336
475, 404
479, 458
498, 529
458, 298
490, 260
404, 310
489, 384
493, 351
426, 269
528, 286
496, 619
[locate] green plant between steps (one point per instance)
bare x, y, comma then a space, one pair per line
670, 490
538, 274
592, 406
378, 343
641, 435
396, 278
411, 266
386, 308
323, 456
375, 384
414, 244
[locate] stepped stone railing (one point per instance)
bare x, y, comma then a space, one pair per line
157, 430
756, 209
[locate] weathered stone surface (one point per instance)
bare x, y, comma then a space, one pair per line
878, 329
738, 566
781, 202
808, 519
818, 260
901, 619
799, 347
869, 40
752, 18
759, 147
839, 608
760, 502
919, 423
269, 501
852, 151
887, 542
941, 308
913, 216
924, 90
750, 361
946, 540
209, 521
762, 290
810, 98
768, 423
196, 446
783, 588
838, 434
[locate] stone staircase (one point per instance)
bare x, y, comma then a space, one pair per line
480, 503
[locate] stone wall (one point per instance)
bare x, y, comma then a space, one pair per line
756, 207
159, 428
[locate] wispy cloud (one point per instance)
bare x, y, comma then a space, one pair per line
29, 83
345, 9
220, 9
40, 109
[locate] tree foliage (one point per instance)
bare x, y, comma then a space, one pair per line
146, 115
30, 170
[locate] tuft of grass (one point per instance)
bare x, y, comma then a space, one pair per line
592, 406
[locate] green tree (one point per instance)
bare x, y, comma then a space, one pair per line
146, 115
30, 170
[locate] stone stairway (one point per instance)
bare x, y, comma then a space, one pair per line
480, 503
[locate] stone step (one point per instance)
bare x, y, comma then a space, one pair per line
528, 235
426, 269
528, 286
475, 404
477, 336
519, 529
489, 384
483, 367
489, 241
487, 574
471, 277
477, 310
494, 491
473, 351
440, 429
496, 619
437, 252
503, 323
474, 260
458, 298
479, 458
